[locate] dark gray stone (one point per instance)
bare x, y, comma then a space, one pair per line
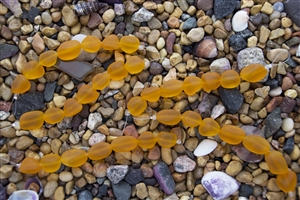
245, 190
49, 91
245, 33
120, 28
289, 145
32, 13
102, 191
85, 195
206, 105
7, 51
122, 190
222, 8
232, 99
164, 177
273, 83
134, 176
291, 62
189, 24
2, 192
57, 3
292, 8
273, 122
293, 41
237, 42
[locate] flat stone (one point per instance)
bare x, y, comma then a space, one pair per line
273, 122
142, 15
232, 99
164, 177
7, 51
287, 105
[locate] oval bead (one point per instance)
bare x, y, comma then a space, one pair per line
48, 58
111, 42
276, 162
100, 81
136, 106
30, 166
33, 70
134, 64
168, 117
74, 157
20, 85
211, 81
151, 94
256, 144
99, 151
232, 134
287, 182
32, 120
129, 44
253, 73
166, 139
69, 50
124, 144
117, 71
91, 44
192, 84
50, 163
209, 127
230, 79
171, 88
71, 107
191, 119
53, 115
87, 94
146, 140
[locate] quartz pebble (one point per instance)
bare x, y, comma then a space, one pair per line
205, 147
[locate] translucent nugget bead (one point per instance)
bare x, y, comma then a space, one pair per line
168, 117
146, 140
151, 94
91, 44
48, 58
124, 144
191, 119
136, 105
117, 71
30, 166
192, 84
134, 64
20, 85
287, 182
256, 144
32, 120
253, 73
99, 151
232, 134
69, 50
129, 44
171, 88
87, 94
33, 70
209, 127
111, 42
53, 115
100, 81
230, 79
74, 157
211, 81
276, 162
71, 107
166, 139
50, 163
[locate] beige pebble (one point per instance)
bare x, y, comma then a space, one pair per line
169, 7
166, 155
154, 192
39, 133
272, 185
295, 153
245, 119
244, 177
65, 176
23, 143
69, 17
252, 41
50, 188
234, 168
175, 59
59, 193
267, 8
275, 195
108, 16
286, 22
291, 93
141, 190
257, 103
261, 179
276, 33
5, 171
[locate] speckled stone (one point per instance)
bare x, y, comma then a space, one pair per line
134, 176
122, 190
273, 122
7, 51
222, 8
164, 177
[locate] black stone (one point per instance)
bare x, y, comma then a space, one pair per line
7, 51
232, 99
134, 176
245, 34
189, 24
245, 190
33, 12
49, 91
150, 181
85, 195
278, 134
28, 102
273, 122
237, 42
102, 191
292, 8
289, 145
76, 121
222, 8
265, 18
273, 83
122, 190
206, 105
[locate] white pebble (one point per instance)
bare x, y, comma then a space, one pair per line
287, 124
240, 21
205, 147
275, 92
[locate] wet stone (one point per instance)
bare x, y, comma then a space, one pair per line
207, 104
116, 173
292, 8
287, 105
224, 8
273, 122
134, 176
237, 42
122, 190
49, 91
164, 177
232, 99
289, 145
7, 51
184, 164
85, 195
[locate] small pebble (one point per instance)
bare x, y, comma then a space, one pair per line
184, 164
287, 124
164, 177
116, 173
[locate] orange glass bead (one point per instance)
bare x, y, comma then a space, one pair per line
33, 70
71, 107
191, 119
87, 94
69, 50
171, 88
253, 73
48, 58
230, 79
232, 134
166, 139
20, 85
111, 42
53, 115
168, 117
32, 120
124, 144
146, 140
287, 182
209, 127
50, 163
74, 157
134, 64
91, 44
192, 84
151, 94
30, 166
99, 151
117, 71
211, 81
276, 162
129, 44
100, 81
136, 105
256, 144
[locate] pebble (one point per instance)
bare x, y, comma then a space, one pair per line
170, 42
273, 122
85, 195
275, 92
206, 105
249, 56
289, 145
204, 5
220, 65
116, 173
205, 147
94, 120
189, 24
196, 34
245, 190
142, 15
96, 138
65, 176
277, 55
287, 105
94, 20
50, 188
232, 99
122, 190
69, 17
287, 124
234, 168
292, 7
134, 176
8, 50
224, 8
184, 164
164, 177
237, 42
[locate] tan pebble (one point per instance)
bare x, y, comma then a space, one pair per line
137, 155
55, 145
99, 169
108, 16
175, 59
154, 193
20, 62
198, 190
69, 17
281, 69
244, 86
191, 143
252, 41
160, 43
65, 176
5, 171
59, 193
244, 177
234, 168
10, 188
257, 103
262, 92
262, 113
245, 119
177, 13
261, 179
295, 153
275, 195
267, 8
286, 22
141, 190
59, 101
90, 178
3, 9
168, 6
203, 21
166, 155
202, 160
277, 55
69, 187
81, 182
8, 132
247, 3
142, 119
77, 172
52, 177
23, 143
291, 93
154, 153
39, 133
50, 188
56, 16
38, 43
272, 185
264, 34
276, 33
